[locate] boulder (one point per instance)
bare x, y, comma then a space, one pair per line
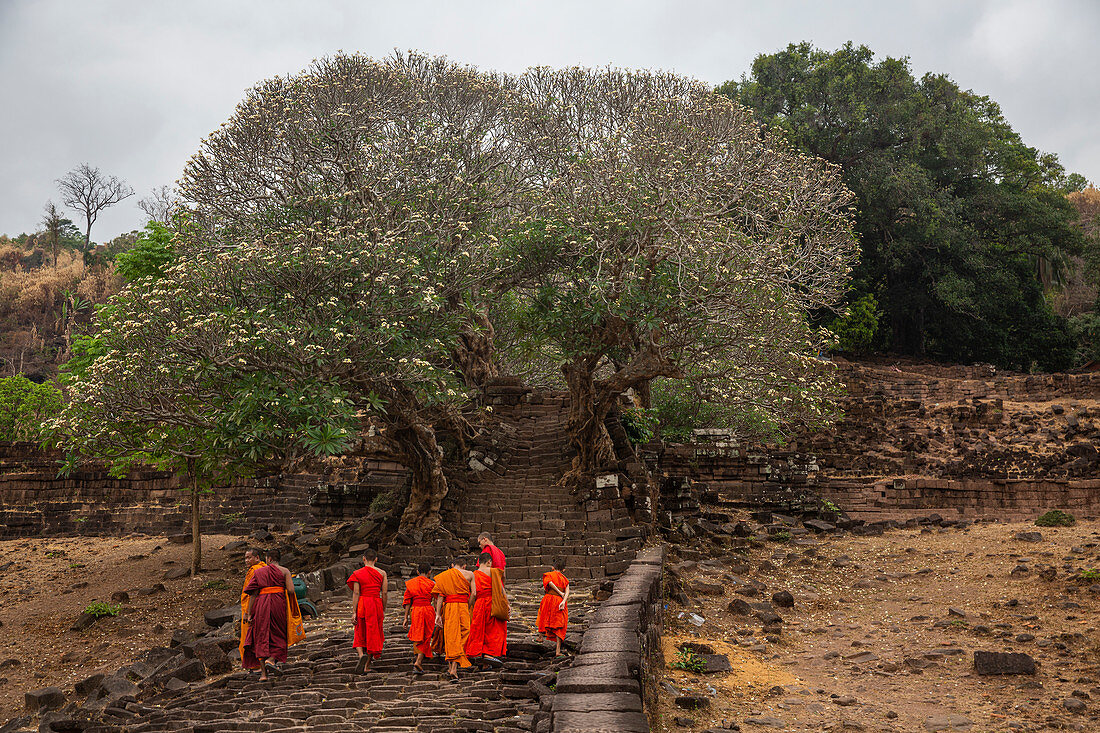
783, 599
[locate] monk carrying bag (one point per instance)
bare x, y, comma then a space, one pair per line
500, 609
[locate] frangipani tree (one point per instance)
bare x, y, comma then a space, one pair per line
412, 148
691, 244
266, 352
175, 376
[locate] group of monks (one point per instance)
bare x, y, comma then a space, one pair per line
460, 614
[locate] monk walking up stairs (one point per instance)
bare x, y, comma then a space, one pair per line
488, 640
252, 561
452, 592
553, 615
369, 588
275, 621
420, 615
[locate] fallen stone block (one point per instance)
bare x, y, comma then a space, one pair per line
990, 663
44, 699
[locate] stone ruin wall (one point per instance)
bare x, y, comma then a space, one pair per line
34, 500
915, 439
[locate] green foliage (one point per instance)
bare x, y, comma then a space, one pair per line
960, 221
232, 517
1056, 518
689, 661
1090, 575
149, 256
26, 408
640, 424
216, 584
780, 536
99, 609
385, 502
856, 329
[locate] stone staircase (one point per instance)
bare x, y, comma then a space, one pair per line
531, 517
319, 691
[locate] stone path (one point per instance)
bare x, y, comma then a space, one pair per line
319, 691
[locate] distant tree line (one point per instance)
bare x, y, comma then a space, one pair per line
966, 232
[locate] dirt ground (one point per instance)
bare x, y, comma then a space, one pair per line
883, 632
46, 583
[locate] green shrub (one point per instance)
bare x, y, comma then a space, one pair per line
99, 609
1056, 518
856, 330
1090, 575
640, 424
25, 407
690, 661
781, 536
216, 584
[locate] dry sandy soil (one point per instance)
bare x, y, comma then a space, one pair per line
46, 583
876, 641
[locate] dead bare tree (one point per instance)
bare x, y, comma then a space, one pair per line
160, 204
87, 191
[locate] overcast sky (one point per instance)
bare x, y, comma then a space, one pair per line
131, 86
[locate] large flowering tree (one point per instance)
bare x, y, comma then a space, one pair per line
690, 244
178, 375
391, 184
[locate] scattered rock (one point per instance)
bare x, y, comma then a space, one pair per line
783, 599
990, 663
766, 721
1029, 536
1074, 705
951, 721
176, 573
693, 702
44, 699
180, 539
221, 616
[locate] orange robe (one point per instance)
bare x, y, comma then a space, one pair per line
488, 635
455, 589
552, 621
418, 595
244, 604
369, 613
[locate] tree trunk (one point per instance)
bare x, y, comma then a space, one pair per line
587, 433
196, 535
424, 458
474, 353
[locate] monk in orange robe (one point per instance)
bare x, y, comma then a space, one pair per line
553, 615
273, 617
252, 561
369, 589
419, 614
488, 636
452, 592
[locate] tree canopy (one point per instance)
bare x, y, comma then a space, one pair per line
959, 220
349, 232
685, 245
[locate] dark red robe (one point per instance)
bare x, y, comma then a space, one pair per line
266, 637
369, 613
